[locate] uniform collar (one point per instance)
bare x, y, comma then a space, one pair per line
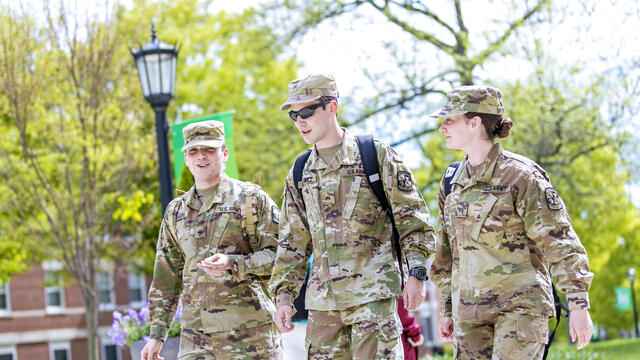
345, 156
218, 196
485, 170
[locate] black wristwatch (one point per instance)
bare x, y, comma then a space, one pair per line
419, 273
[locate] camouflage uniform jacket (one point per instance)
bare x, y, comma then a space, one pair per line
189, 234
499, 233
343, 224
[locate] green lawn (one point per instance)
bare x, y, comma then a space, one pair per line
620, 349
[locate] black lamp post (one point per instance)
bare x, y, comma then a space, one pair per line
632, 276
156, 62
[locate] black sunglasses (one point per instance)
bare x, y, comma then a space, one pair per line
308, 111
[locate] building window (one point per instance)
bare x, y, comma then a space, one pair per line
106, 296
54, 292
110, 352
8, 353
5, 301
60, 351
137, 289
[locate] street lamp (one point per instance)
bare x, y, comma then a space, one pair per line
632, 275
156, 62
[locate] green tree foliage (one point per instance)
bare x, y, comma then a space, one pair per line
229, 62
77, 143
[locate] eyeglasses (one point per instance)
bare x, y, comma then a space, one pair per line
308, 111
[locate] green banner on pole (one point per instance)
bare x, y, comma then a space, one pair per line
231, 167
623, 298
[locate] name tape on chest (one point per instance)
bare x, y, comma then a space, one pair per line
496, 188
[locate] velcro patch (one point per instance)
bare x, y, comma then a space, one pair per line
404, 181
496, 188
553, 199
460, 210
275, 214
450, 171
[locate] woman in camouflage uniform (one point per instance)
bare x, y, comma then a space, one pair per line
502, 231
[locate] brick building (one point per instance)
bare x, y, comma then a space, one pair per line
41, 320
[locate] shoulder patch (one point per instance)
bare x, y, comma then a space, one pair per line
275, 214
553, 199
450, 171
404, 181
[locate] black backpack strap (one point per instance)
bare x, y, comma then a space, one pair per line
372, 173
298, 166
448, 176
560, 307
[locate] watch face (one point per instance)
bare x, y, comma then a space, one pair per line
420, 273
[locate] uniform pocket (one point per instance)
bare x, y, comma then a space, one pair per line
532, 328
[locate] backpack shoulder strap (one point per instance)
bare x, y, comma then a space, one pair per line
369, 158
298, 166
448, 176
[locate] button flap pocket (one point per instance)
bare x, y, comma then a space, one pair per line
533, 328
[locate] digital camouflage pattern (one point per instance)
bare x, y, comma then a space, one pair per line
499, 229
310, 88
256, 343
508, 336
342, 223
471, 98
364, 332
190, 233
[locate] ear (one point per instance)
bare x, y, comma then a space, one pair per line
225, 154
476, 121
333, 106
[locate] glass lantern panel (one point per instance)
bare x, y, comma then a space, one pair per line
142, 72
153, 71
167, 73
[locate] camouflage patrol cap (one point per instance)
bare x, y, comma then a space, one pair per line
204, 133
311, 88
482, 99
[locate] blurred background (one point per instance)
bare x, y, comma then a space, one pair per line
80, 196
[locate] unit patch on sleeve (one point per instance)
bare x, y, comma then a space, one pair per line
404, 181
553, 199
275, 214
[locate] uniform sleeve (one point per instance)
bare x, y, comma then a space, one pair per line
260, 262
294, 248
443, 261
166, 285
417, 237
547, 224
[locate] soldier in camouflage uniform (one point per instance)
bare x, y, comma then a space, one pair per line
355, 279
502, 231
216, 246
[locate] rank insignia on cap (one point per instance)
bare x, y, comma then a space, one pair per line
275, 215
553, 199
404, 181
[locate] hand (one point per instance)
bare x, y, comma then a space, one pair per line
414, 293
580, 326
420, 341
151, 350
283, 319
215, 265
445, 328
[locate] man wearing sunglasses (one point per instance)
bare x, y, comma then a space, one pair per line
354, 281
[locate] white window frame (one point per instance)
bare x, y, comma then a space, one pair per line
59, 346
112, 296
104, 350
142, 281
54, 309
10, 350
6, 289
